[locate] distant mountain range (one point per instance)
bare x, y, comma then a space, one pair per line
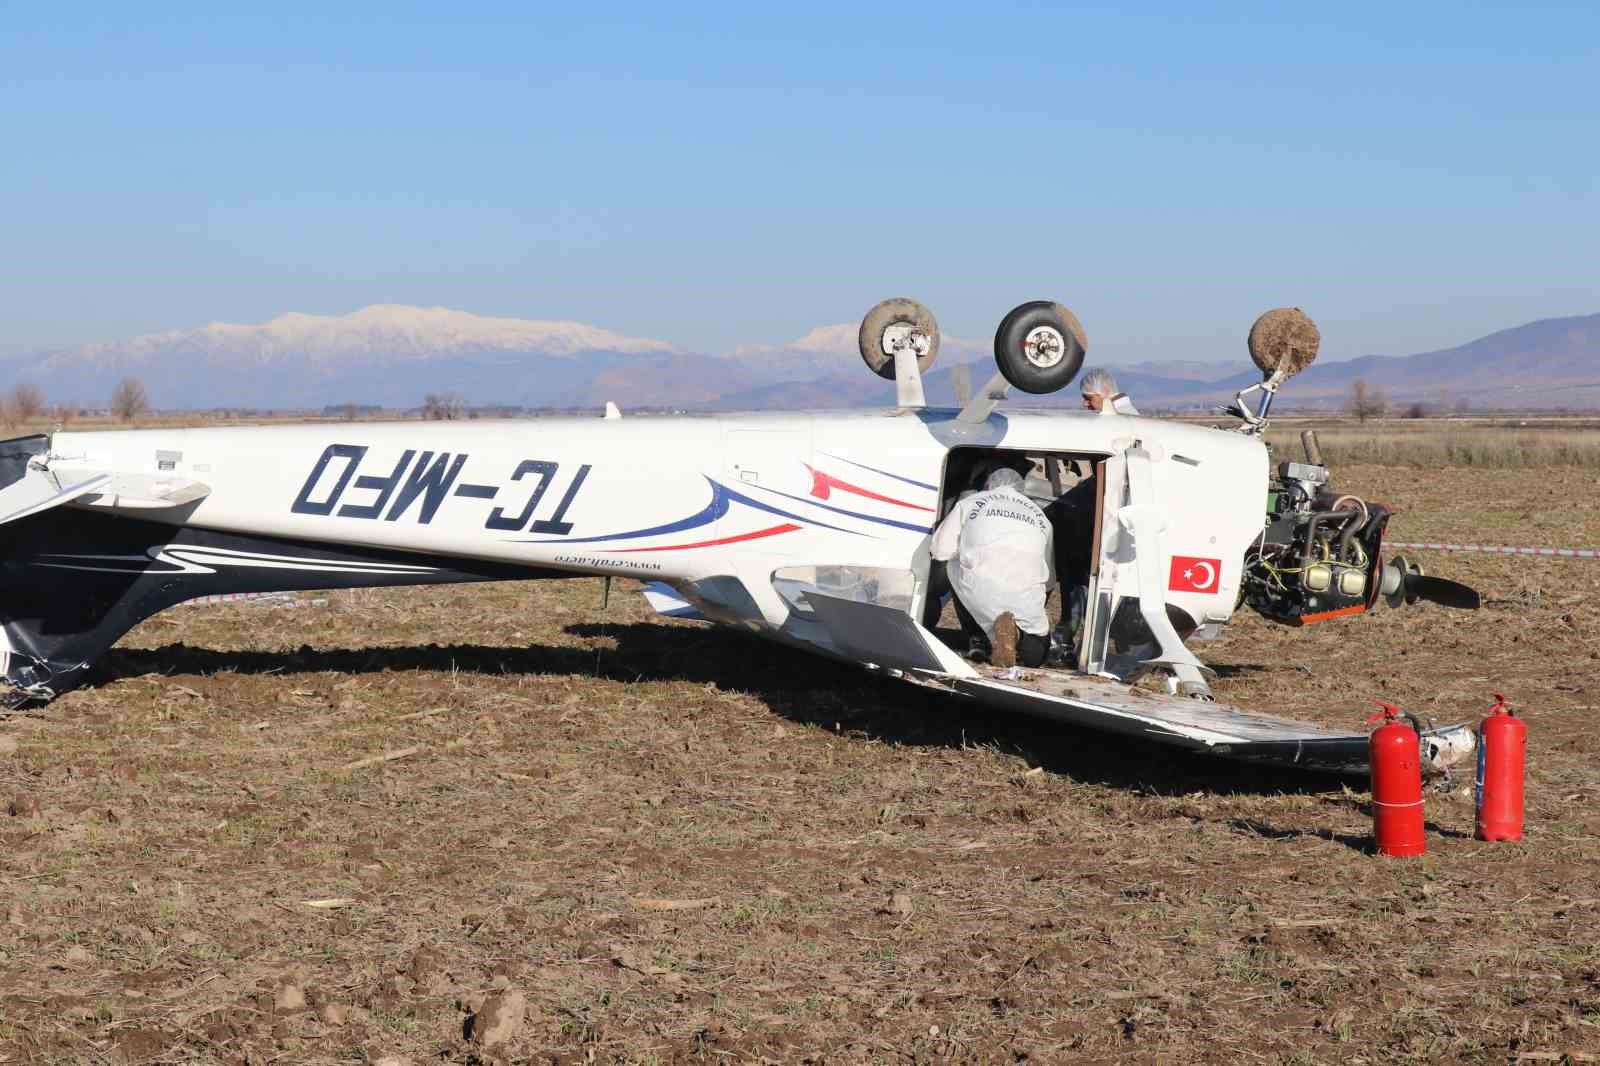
392, 355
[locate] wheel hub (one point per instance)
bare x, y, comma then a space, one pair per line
1044, 347
903, 335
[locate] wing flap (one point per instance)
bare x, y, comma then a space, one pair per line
883, 636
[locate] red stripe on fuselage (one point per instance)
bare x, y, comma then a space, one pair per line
773, 531
822, 484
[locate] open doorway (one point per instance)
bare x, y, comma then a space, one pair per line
1067, 488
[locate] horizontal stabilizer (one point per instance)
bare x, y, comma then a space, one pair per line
37, 491
142, 492
664, 599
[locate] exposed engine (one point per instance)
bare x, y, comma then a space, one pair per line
1318, 554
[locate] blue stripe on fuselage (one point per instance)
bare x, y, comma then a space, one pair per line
851, 514
721, 497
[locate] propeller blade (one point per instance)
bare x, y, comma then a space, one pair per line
1444, 592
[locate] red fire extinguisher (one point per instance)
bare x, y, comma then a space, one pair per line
1396, 762
1502, 751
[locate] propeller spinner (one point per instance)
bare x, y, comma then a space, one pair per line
1404, 582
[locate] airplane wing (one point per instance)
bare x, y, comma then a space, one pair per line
890, 639
1196, 725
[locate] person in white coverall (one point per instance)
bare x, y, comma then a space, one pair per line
1000, 556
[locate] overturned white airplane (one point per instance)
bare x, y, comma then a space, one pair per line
811, 529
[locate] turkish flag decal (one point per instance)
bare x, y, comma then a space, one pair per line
1190, 574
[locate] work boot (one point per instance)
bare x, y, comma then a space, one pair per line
1061, 649
978, 649
1005, 642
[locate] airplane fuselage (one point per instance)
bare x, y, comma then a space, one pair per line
676, 499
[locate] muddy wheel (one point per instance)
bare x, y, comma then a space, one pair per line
1283, 342
1040, 346
896, 323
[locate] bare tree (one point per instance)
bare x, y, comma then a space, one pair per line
24, 403
130, 400
61, 414
1366, 401
442, 406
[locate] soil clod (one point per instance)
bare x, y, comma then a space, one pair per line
500, 1020
289, 998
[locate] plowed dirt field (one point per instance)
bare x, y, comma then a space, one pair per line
498, 823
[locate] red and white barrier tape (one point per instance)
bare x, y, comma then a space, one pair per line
1490, 549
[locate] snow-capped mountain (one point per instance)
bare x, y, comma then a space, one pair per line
386, 354
392, 356
829, 351
388, 331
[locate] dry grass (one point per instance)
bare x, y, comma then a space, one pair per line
862, 873
1443, 443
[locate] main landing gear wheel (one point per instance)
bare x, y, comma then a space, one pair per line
895, 324
1040, 346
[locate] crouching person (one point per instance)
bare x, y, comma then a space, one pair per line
999, 552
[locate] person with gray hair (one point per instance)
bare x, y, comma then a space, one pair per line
999, 555
1100, 393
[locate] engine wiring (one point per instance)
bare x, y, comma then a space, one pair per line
1315, 552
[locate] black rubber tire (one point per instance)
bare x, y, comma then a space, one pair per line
899, 310
1010, 343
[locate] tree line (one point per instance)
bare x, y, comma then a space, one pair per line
25, 402
130, 400
1365, 401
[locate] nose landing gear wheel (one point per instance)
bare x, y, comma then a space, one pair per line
1040, 346
895, 324
1283, 342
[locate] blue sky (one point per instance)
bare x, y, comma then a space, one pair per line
1413, 175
